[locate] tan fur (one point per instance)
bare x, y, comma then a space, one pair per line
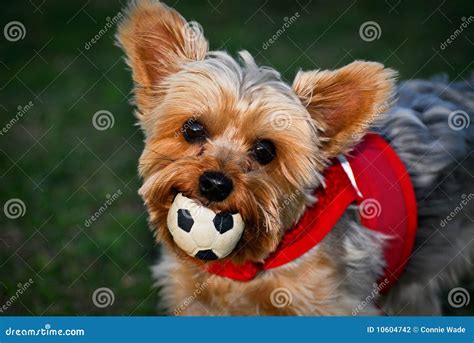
176, 82
157, 41
345, 101
309, 286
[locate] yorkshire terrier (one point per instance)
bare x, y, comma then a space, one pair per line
353, 203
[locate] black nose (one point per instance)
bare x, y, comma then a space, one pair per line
215, 186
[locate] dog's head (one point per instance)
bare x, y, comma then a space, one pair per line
233, 136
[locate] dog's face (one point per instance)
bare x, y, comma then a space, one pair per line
234, 136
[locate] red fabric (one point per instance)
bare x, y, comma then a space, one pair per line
382, 180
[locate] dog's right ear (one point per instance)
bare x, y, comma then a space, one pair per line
157, 41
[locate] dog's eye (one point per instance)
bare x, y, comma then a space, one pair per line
194, 132
264, 151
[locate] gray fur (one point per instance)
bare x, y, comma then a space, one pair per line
440, 162
246, 75
358, 253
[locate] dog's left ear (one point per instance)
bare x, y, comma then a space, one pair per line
345, 102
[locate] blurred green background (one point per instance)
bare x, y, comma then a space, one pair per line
63, 169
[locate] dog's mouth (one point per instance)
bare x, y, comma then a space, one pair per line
202, 232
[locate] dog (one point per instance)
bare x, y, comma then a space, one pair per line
270, 148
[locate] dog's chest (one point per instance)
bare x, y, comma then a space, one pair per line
309, 286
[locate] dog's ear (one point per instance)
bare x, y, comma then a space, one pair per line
157, 41
345, 102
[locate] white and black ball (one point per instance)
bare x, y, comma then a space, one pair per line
201, 232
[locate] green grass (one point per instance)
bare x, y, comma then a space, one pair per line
62, 168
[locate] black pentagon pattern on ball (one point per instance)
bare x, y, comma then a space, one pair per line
206, 255
223, 222
185, 221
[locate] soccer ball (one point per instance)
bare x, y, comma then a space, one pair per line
201, 232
